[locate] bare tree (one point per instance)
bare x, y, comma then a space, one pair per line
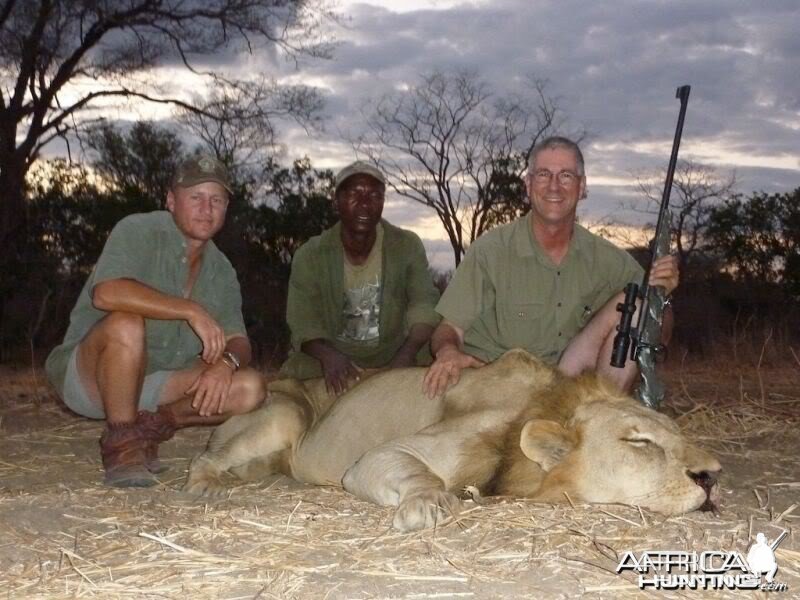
237, 120
696, 189
451, 144
58, 58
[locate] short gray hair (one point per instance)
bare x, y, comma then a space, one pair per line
557, 142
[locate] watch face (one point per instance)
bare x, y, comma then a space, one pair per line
233, 358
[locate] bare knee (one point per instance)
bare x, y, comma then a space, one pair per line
124, 328
248, 391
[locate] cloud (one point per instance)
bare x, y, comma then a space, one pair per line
614, 68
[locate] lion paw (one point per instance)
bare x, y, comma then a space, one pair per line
425, 509
208, 488
204, 480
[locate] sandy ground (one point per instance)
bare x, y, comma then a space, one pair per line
65, 535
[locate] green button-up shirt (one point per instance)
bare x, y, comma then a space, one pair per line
149, 248
507, 293
316, 292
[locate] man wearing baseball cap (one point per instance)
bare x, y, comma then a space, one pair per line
156, 340
360, 294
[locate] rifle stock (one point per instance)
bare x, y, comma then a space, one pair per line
645, 339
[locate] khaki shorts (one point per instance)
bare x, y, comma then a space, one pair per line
78, 400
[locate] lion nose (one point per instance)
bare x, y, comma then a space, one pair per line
705, 479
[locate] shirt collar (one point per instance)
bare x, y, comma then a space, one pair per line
176, 240
527, 246
177, 245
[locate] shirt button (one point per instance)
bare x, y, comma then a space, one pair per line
559, 334
558, 305
558, 272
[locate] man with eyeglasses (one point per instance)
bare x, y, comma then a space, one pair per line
542, 283
360, 294
156, 340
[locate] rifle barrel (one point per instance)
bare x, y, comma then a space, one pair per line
683, 94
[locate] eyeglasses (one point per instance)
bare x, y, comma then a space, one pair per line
564, 178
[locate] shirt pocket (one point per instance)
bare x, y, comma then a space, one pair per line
520, 323
590, 304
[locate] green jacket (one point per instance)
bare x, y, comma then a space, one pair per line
316, 292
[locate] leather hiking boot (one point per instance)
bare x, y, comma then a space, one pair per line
122, 448
156, 427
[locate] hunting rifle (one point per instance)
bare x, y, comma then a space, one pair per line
644, 341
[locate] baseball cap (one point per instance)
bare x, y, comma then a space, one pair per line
200, 169
358, 168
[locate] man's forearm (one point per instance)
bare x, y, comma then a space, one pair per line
131, 296
319, 348
446, 335
418, 336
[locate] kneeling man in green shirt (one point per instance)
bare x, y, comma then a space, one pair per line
542, 283
156, 340
360, 294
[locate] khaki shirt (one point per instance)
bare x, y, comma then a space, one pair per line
150, 249
507, 293
315, 301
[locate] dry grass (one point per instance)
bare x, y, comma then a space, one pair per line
65, 535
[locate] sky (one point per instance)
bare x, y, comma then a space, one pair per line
613, 66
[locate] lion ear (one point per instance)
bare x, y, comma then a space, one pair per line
545, 442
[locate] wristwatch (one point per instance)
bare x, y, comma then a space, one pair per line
230, 359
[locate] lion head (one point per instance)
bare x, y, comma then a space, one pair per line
611, 450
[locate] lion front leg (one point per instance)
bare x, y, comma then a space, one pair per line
392, 476
246, 444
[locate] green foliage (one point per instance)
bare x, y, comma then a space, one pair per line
140, 161
759, 237
304, 207
74, 215
505, 193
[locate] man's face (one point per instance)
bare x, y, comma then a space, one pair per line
199, 210
359, 201
554, 186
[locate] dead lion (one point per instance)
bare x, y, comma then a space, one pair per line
514, 427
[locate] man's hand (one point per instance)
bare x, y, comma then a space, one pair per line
446, 370
336, 369
665, 273
211, 389
210, 333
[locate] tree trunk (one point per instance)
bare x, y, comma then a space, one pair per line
13, 221
13, 233
457, 254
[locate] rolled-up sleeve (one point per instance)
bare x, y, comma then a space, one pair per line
468, 292
631, 271
304, 301
422, 294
